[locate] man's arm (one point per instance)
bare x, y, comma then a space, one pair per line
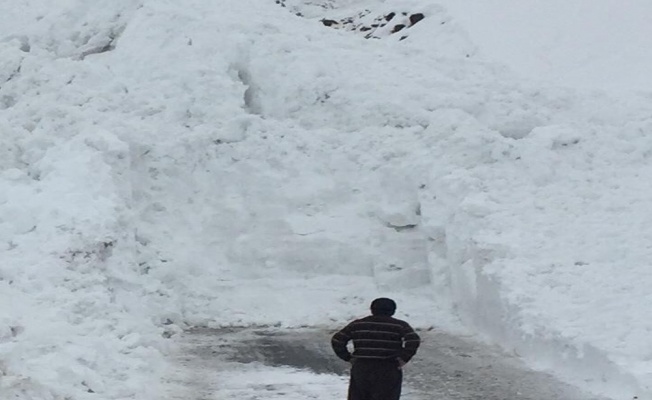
411, 342
339, 342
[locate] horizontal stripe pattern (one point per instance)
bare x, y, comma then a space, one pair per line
376, 337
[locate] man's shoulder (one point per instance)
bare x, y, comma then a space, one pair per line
400, 322
355, 322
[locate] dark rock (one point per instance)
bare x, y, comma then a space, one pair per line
329, 22
389, 16
414, 18
398, 28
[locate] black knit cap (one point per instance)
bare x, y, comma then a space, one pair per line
383, 306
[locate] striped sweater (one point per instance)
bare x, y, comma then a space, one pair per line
376, 337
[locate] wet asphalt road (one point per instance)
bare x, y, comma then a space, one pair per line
445, 368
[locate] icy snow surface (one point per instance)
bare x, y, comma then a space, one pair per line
166, 164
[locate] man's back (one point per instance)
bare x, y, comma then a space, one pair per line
377, 337
382, 345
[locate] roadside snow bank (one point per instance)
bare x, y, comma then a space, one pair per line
69, 323
71, 320
546, 244
546, 240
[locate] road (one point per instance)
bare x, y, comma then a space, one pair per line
256, 363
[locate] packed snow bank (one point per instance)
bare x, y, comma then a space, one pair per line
592, 44
548, 252
71, 321
260, 203
547, 249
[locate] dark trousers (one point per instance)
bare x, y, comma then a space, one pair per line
375, 380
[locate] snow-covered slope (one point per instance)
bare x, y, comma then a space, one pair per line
165, 164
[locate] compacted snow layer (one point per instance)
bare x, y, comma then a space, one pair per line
165, 164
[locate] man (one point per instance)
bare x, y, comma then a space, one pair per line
382, 346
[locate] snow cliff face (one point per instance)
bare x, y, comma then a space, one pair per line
166, 164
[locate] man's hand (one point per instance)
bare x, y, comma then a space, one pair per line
401, 363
